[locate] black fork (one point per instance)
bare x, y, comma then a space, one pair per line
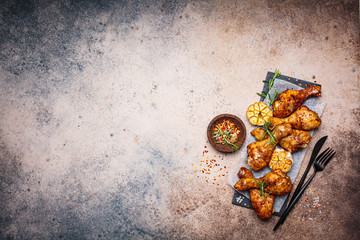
320, 163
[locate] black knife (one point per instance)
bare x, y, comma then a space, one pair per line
315, 152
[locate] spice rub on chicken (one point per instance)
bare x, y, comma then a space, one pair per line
262, 203
275, 182
290, 100
292, 142
301, 119
259, 153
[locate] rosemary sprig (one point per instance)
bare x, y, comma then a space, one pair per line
225, 138
270, 85
268, 131
262, 187
272, 100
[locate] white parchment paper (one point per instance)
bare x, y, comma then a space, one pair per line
316, 104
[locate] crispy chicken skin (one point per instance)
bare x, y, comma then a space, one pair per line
301, 119
291, 143
263, 206
290, 100
260, 152
278, 183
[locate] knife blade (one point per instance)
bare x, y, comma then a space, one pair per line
315, 152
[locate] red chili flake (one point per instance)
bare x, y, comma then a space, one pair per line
205, 147
317, 207
224, 166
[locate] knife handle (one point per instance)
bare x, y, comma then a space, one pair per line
298, 188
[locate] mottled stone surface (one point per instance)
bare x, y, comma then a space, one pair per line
104, 107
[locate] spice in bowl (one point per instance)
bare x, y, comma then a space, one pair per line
226, 133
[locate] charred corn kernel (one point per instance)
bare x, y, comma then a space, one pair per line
258, 113
281, 159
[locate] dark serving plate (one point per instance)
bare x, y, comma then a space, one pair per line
223, 147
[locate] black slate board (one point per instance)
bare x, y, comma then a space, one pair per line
238, 198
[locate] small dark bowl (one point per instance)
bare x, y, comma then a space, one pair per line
223, 147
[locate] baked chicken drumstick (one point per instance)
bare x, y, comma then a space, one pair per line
292, 142
290, 100
260, 152
278, 183
301, 119
262, 205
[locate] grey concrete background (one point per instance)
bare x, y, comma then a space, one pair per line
104, 107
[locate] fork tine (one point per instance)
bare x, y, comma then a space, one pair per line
329, 158
324, 157
323, 153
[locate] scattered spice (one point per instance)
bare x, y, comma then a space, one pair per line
311, 205
210, 169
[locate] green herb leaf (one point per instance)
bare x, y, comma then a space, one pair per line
268, 131
261, 95
269, 87
226, 138
262, 187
